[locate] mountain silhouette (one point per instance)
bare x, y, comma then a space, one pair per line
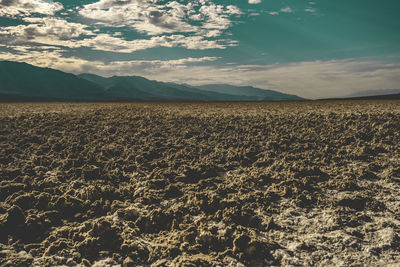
374, 93
259, 94
370, 97
145, 89
24, 82
30, 82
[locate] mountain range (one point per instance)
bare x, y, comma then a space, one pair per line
373, 93
24, 82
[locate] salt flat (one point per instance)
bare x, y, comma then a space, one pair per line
200, 184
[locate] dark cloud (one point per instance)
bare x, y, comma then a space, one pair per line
122, 2
8, 2
157, 18
30, 33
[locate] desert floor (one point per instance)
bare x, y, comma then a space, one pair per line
200, 184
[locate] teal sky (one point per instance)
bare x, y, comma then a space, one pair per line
320, 48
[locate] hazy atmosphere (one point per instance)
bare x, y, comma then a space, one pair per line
312, 49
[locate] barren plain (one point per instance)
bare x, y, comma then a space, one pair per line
200, 184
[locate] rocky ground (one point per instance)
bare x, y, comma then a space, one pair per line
200, 184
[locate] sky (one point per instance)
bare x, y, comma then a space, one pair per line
314, 49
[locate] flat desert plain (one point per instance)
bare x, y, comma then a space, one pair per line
200, 184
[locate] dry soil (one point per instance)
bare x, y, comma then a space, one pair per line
200, 184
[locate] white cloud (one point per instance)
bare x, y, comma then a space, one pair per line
273, 13
55, 59
287, 10
311, 10
47, 30
15, 8
59, 32
255, 1
217, 17
105, 42
194, 25
144, 16
154, 18
53, 27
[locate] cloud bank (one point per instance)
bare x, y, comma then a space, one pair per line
17, 8
255, 1
313, 79
154, 18
196, 25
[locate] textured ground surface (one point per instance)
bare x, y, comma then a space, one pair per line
173, 184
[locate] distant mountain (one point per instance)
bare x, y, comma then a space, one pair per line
372, 97
119, 87
375, 92
21, 79
259, 94
99, 80
380, 97
379, 94
142, 88
24, 82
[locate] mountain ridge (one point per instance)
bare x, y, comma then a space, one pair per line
22, 81
242, 90
376, 92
